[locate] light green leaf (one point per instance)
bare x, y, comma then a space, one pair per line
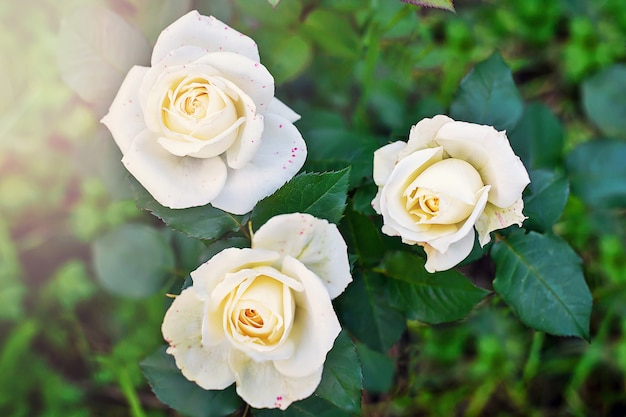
488, 95
332, 32
598, 173
603, 100
288, 57
206, 222
541, 278
342, 379
545, 199
133, 260
430, 298
440, 4
173, 389
321, 195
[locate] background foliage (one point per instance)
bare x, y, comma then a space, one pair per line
69, 349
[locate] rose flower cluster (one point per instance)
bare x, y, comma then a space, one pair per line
201, 126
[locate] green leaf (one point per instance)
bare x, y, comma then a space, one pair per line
378, 369
332, 32
439, 4
342, 379
321, 195
174, 390
366, 313
598, 173
310, 407
488, 95
538, 137
288, 57
603, 100
545, 199
541, 278
362, 237
430, 298
206, 222
133, 260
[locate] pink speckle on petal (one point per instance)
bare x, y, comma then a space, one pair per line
280, 126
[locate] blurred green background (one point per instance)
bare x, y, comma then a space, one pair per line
67, 348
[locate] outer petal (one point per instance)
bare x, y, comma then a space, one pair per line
182, 329
314, 242
207, 277
422, 134
385, 159
494, 218
315, 327
175, 182
441, 261
279, 158
261, 385
490, 153
125, 119
278, 107
206, 32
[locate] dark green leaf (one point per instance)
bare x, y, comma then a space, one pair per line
603, 100
545, 199
440, 4
342, 379
541, 278
488, 95
598, 173
321, 195
204, 222
310, 407
365, 312
362, 237
538, 137
173, 389
133, 260
378, 369
430, 298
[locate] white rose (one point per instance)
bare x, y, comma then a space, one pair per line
262, 317
449, 178
202, 125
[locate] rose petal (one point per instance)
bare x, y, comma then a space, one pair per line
278, 107
205, 32
455, 253
125, 119
279, 158
315, 327
494, 218
175, 182
253, 78
385, 159
490, 153
314, 242
207, 366
422, 134
261, 385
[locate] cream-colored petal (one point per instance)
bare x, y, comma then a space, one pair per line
175, 182
182, 329
490, 152
385, 159
423, 133
494, 218
455, 253
314, 242
315, 327
205, 32
280, 157
278, 107
125, 118
261, 385
211, 273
